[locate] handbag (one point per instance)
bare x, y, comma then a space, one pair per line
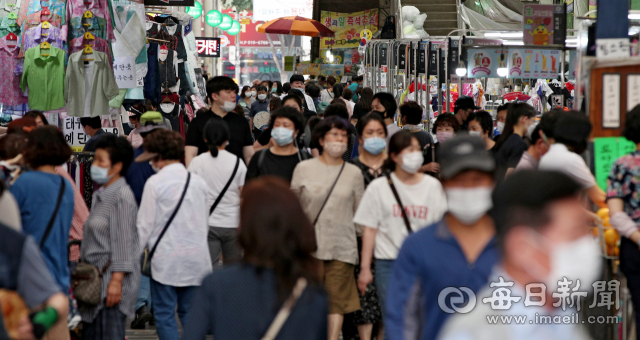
329, 195
55, 213
86, 281
224, 190
146, 259
285, 310
395, 194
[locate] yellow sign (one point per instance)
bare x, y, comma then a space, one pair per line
288, 63
308, 69
245, 21
348, 27
366, 34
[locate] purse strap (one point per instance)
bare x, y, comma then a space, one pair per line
395, 194
224, 190
55, 214
164, 230
329, 195
285, 310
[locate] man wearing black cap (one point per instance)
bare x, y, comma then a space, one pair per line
297, 84
458, 251
462, 109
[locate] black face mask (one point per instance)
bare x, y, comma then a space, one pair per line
382, 114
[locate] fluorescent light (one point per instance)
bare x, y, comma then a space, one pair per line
461, 72
503, 71
492, 34
634, 16
504, 35
518, 43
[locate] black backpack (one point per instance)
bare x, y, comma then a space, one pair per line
389, 28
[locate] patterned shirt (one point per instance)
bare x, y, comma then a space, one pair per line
97, 44
624, 183
10, 93
8, 6
29, 7
110, 234
35, 19
97, 27
34, 37
99, 8
8, 25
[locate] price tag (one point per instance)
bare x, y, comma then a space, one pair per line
612, 48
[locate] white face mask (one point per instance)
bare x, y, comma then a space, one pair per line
153, 167
475, 133
335, 149
412, 162
530, 130
167, 107
575, 260
254, 93
500, 127
468, 205
262, 96
247, 94
228, 106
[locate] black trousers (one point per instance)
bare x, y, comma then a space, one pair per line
630, 267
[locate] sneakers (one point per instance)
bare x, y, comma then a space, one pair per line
143, 315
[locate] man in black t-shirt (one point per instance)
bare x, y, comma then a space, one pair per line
221, 94
462, 109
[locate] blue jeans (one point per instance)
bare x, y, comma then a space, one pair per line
144, 293
165, 298
383, 272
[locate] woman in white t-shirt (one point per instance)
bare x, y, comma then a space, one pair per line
220, 169
421, 196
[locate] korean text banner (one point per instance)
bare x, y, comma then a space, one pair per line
347, 27
208, 47
483, 62
267, 10
533, 63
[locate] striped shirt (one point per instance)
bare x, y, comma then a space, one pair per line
110, 234
80, 214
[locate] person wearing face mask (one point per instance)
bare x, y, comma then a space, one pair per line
246, 100
458, 251
571, 135
371, 135
501, 120
511, 145
259, 108
385, 227
221, 93
280, 159
221, 170
539, 142
385, 105
411, 113
330, 190
179, 202
297, 84
326, 95
480, 125
113, 212
542, 233
445, 127
134, 137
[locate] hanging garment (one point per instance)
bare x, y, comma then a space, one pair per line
89, 85
28, 7
8, 25
97, 44
44, 76
9, 6
10, 93
98, 9
167, 64
152, 86
171, 111
79, 25
37, 35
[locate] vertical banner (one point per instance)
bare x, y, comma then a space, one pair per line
544, 24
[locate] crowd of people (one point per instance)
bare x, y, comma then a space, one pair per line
304, 210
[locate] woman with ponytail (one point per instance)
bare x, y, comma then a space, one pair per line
221, 170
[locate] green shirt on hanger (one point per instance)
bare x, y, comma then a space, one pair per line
44, 76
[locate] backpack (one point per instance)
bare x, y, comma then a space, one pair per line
389, 28
322, 106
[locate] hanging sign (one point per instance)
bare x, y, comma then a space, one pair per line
227, 22
544, 24
308, 69
195, 11
235, 28
208, 47
605, 151
124, 70
288, 63
533, 63
74, 133
213, 18
349, 28
483, 62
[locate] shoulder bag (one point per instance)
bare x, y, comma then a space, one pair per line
395, 194
224, 190
329, 195
55, 213
285, 311
147, 255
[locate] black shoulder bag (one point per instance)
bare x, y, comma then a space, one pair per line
329, 195
146, 259
55, 214
395, 194
224, 190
